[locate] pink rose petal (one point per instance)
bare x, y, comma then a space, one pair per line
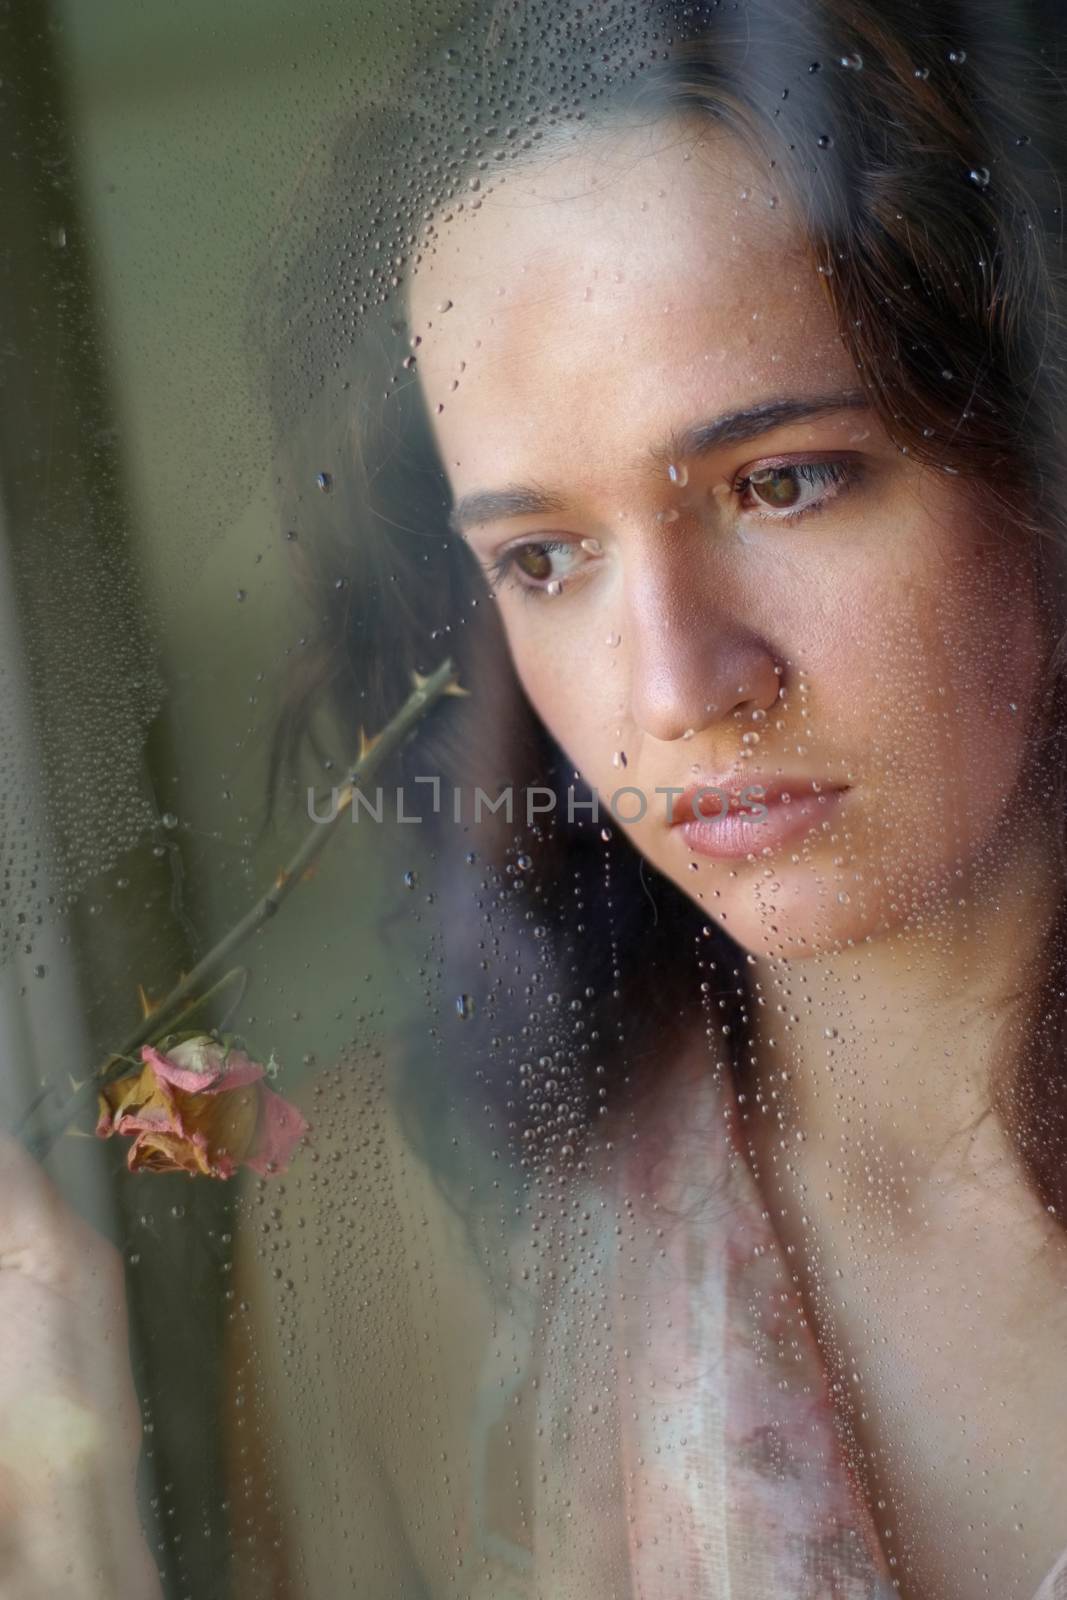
280, 1129
203, 1067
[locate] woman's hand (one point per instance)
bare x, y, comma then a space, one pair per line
70, 1427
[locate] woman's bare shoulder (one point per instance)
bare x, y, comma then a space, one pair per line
360, 1228
360, 1344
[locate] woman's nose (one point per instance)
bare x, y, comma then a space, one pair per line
693, 663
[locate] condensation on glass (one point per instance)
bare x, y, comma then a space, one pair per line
676, 1012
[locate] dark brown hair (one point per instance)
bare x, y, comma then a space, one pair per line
921, 143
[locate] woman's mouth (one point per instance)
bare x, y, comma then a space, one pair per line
730, 821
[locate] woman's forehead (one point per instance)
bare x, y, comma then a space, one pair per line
666, 263
654, 201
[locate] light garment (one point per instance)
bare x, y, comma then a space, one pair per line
686, 1444
638, 1410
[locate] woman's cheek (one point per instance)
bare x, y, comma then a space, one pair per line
577, 696
950, 678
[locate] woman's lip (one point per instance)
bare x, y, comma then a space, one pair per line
742, 833
752, 793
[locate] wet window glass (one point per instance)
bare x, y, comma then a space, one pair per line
532, 706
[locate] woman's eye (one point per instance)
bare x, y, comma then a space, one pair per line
774, 493
539, 566
782, 493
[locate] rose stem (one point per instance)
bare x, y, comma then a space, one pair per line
373, 754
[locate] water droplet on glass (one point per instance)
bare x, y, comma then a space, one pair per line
169, 820
678, 473
464, 1007
524, 863
824, 141
668, 516
957, 57
854, 62
39, 972
922, 73
619, 758
592, 546
613, 640
979, 176
553, 586
446, 305
410, 879
324, 481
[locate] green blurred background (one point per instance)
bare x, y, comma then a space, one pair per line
148, 621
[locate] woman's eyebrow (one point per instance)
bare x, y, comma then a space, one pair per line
735, 427
699, 439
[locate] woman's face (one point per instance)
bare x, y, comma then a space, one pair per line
712, 564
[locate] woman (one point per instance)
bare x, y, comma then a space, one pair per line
737, 345
740, 370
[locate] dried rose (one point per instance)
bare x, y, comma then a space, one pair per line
200, 1106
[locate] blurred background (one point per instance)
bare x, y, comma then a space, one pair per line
148, 623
